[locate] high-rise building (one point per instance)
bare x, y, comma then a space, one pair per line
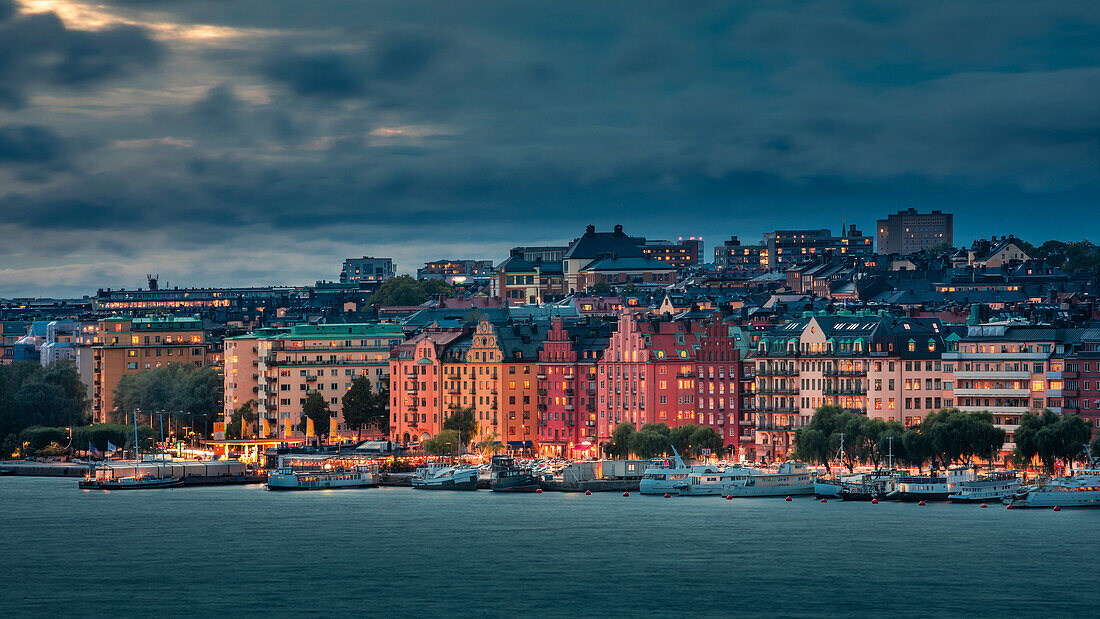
367, 270
129, 345
908, 232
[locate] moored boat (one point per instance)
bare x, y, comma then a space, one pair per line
334, 479
142, 482
790, 479
507, 476
989, 488
445, 478
1080, 490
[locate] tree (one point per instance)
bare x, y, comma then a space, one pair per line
404, 290
489, 445
1094, 448
241, 421
33, 395
181, 390
362, 407
618, 448
1051, 437
601, 287
705, 437
464, 422
442, 444
649, 443
316, 409
917, 447
812, 445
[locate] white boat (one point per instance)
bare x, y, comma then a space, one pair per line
1080, 490
435, 477
335, 479
675, 477
986, 488
708, 480
790, 479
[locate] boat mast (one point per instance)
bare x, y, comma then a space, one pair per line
137, 451
890, 456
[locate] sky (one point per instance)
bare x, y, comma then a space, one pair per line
259, 142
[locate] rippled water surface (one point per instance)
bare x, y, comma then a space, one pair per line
392, 551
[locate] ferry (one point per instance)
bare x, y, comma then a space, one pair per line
436, 477
790, 479
986, 488
335, 479
507, 476
708, 480
1080, 490
914, 488
675, 477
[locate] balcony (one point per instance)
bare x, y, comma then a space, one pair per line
777, 391
569, 391
970, 375
774, 427
844, 391
569, 376
591, 391
838, 372
590, 424
540, 376
1017, 410
993, 393
776, 372
568, 407
541, 407
311, 379
541, 392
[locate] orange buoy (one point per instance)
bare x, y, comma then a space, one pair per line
787, 499
824, 500
587, 492
1057, 508
626, 494
874, 501
984, 505
921, 503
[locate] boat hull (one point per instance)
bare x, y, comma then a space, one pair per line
914, 497
446, 484
1088, 499
769, 491
112, 485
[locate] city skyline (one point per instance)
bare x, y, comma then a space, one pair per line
224, 144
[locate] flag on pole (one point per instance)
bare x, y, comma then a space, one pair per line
94, 451
111, 447
266, 428
309, 426
332, 426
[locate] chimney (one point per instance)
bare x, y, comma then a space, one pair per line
619, 229
590, 229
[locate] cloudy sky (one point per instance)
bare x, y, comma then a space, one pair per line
262, 141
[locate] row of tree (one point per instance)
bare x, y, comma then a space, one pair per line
361, 406
33, 395
655, 439
1072, 256
945, 437
59, 441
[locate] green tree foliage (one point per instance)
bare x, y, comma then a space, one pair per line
813, 445
32, 395
618, 448
316, 409
601, 287
240, 423
690, 440
445, 443
1072, 256
489, 445
177, 389
363, 407
1051, 437
648, 443
464, 422
404, 290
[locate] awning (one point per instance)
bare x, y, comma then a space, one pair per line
520, 444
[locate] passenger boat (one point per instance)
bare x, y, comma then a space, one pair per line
1080, 490
436, 477
986, 488
334, 479
675, 477
142, 482
709, 480
790, 479
870, 486
507, 476
913, 488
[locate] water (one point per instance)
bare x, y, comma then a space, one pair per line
401, 552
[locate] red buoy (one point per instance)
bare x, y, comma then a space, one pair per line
824, 501
874, 501
587, 492
626, 494
729, 497
668, 496
921, 503
1009, 506
984, 505
1057, 508
538, 490
787, 499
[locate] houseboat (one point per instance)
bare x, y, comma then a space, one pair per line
436, 477
790, 479
1080, 490
989, 488
324, 479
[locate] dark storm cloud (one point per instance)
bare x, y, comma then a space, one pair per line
39, 50
425, 128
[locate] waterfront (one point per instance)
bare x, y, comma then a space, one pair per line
245, 551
